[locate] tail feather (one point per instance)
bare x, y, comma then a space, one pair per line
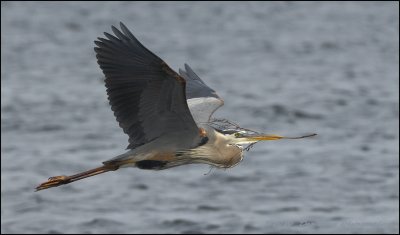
60, 180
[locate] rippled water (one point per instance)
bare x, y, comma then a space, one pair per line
282, 67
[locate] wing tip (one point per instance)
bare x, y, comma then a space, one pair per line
122, 25
187, 67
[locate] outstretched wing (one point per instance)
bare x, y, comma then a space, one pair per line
202, 100
148, 98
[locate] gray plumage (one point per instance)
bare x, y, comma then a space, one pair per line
195, 87
147, 97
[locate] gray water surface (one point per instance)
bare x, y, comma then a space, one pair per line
285, 68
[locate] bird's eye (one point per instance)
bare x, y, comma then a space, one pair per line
237, 134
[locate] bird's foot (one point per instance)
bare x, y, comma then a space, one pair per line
58, 178
53, 182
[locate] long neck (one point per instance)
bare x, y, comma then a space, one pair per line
219, 151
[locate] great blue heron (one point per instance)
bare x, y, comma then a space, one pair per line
166, 115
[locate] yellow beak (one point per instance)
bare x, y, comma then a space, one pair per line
276, 137
266, 137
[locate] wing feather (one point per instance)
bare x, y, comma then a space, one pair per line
202, 100
148, 98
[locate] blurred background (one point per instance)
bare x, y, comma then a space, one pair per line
285, 68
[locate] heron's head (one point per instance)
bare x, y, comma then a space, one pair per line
248, 137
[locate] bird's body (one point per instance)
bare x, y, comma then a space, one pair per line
161, 155
166, 115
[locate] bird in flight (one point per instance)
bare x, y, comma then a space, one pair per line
167, 115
